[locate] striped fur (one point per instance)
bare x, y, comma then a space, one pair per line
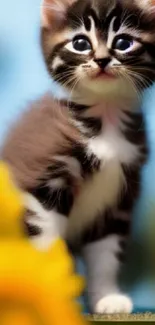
79, 160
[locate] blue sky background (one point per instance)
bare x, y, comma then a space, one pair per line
23, 77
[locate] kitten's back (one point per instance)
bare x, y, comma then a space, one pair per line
44, 131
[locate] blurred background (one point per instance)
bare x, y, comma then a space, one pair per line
23, 77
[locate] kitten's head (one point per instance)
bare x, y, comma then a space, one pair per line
99, 45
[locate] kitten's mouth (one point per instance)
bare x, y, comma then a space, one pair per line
105, 75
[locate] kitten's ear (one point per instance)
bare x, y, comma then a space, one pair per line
146, 4
54, 11
151, 3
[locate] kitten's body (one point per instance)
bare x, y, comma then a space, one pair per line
79, 161
102, 175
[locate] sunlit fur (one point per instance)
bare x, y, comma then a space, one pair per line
102, 22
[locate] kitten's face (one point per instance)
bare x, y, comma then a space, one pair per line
97, 45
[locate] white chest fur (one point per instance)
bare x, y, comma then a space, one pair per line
104, 187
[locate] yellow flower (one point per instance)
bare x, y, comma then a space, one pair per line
42, 282
11, 207
36, 288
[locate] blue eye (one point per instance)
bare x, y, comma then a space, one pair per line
123, 44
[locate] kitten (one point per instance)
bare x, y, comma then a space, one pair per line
79, 160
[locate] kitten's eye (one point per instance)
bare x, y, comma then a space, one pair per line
123, 44
81, 44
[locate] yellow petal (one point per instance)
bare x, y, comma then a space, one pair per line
11, 207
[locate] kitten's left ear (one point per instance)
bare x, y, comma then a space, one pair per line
54, 11
146, 4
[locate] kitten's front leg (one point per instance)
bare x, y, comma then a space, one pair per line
103, 263
49, 203
43, 226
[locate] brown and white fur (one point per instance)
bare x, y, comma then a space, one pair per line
78, 160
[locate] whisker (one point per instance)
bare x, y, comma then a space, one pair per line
140, 79
125, 75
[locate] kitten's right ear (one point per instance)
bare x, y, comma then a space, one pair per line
54, 11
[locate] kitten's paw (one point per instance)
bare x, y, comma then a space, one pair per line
114, 304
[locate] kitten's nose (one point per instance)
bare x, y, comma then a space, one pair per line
102, 62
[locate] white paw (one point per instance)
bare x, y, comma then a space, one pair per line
114, 304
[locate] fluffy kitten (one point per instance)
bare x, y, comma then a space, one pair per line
79, 160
